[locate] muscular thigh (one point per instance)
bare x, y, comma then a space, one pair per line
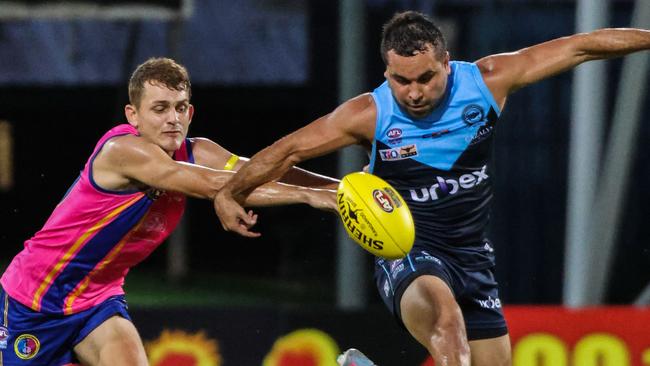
491, 352
426, 304
114, 342
394, 277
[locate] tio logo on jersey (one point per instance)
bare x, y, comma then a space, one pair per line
398, 153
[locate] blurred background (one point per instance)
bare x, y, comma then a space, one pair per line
263, 68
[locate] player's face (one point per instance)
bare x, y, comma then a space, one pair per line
163, 117
418, 82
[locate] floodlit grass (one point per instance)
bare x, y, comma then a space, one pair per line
155, 290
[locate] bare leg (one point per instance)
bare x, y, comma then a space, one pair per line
491, 352
114, 342
432, 316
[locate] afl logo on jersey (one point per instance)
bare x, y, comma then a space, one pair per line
394, 133
473, 113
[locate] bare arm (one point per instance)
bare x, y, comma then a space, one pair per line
351, 123
210, 154
129, 162
505, 73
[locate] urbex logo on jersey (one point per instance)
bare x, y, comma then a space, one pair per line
490, 303
449, 186
351, 221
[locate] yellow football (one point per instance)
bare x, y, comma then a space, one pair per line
375, 215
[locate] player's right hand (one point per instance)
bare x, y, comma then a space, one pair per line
233, 217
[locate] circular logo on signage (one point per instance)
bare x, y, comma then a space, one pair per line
26, 346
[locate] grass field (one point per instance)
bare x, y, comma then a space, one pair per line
153, 289
207, 289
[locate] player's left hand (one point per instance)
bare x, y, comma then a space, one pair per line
233, 217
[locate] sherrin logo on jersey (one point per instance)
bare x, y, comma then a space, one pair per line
375, 216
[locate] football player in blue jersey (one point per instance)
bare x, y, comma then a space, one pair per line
428, 130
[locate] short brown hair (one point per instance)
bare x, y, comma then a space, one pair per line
160, 70
410, 32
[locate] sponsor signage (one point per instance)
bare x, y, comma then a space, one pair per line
558, 336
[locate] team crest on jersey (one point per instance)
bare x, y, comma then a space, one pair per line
398, 153
473, 113
26, 346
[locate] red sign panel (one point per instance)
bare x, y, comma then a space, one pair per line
558, 336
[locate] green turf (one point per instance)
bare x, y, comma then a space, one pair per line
154, 289
207, 289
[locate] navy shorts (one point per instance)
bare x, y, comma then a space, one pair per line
32, 338
476, 291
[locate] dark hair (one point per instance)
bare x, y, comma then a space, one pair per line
410, 32
161, 70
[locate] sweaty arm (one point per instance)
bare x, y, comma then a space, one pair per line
353, 122
129, 162
506, 72
210, 154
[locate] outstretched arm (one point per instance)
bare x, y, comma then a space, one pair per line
351, 123
130, 161
506, 72
212, 155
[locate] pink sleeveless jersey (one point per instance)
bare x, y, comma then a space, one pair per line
84, 251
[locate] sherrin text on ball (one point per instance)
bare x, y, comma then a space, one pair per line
375, 215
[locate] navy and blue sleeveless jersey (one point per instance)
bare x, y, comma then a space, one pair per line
439, 164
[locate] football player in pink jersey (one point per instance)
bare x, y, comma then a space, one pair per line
62, 295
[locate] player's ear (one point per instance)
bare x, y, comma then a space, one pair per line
131, 112
191, 112
446, 62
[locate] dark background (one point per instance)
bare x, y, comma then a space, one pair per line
56, 127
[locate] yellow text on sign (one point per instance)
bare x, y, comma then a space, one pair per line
596, 349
